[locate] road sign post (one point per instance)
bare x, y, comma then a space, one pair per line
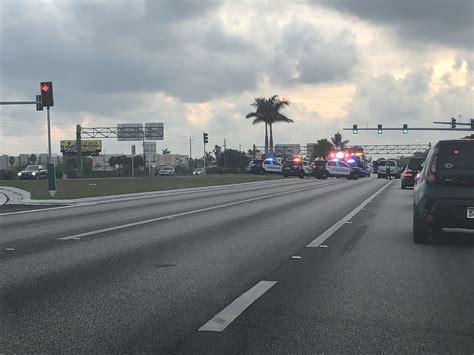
51, 179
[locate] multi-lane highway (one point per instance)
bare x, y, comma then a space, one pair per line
287, 266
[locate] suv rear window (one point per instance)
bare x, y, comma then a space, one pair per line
455, 164
415, 164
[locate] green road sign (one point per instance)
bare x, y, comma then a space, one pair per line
51, 180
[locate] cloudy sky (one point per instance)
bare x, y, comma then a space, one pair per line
198, 65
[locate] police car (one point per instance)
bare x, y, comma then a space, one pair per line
271, 165
338, 169
296, 167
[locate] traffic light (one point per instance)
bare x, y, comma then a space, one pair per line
453, 122
46, 88
39, 103
205, 137
354, 129
379, 129
472, 123
405, 128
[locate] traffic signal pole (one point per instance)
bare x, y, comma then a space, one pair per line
49, 136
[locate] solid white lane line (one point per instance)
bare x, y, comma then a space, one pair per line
225, 317
331, 230
139, 223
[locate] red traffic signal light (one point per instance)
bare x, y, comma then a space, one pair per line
46, 88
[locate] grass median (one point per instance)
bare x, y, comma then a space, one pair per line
78, 188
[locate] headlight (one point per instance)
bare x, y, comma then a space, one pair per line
33, 173
19, 174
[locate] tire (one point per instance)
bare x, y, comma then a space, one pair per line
403, 187
285, 175
420, 230
301, 176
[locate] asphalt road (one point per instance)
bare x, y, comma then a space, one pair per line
228, 270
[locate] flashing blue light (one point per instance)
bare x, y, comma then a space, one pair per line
351, 161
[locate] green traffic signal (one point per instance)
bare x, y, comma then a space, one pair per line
405, 129
379, 129
354, 129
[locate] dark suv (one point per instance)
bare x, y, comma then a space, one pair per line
296, 167
318, 168
412, 169
444, 193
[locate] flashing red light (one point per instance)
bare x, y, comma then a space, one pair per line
45, 88
429, 217
408, 174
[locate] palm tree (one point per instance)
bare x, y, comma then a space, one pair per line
165, 151
276, 105
261, 116
268, 112
322, 149
33, 158
338, 142
11, 160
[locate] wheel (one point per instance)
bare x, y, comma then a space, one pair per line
403, 187
285, 175
301, 176
325, 176
420, 230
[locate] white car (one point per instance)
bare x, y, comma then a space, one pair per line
166, 171
271, 166
339, 169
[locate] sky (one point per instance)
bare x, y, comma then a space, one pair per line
198, 65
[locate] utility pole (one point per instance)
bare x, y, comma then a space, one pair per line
225, 162
191, 151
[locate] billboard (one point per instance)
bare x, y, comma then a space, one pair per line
88, 147
287, 150
154, 131
129, 132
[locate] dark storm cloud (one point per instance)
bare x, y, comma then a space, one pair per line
176, 47
446, 22
305, 56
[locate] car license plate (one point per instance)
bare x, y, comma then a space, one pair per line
470, 212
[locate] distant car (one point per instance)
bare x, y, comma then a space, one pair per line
33, 172
255, 166
296, 167
444, 193
339, 169
318, 168
166, 171
382, 169
409, 174
271, 165
198, 171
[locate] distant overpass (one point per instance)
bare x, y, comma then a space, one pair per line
369, 149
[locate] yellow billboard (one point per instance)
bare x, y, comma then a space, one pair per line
88, 147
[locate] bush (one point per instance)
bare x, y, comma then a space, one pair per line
7, 175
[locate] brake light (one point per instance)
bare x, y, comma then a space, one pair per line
408, 174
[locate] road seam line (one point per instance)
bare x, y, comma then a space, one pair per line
225, 317
334, 228
147, 221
